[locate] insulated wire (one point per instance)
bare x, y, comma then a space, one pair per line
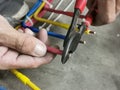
36, 30
58, 5
72, 1
48, 3
24, 79
34, 8
29, 19
30, 13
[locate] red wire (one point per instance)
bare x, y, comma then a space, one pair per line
54, 50
62, 12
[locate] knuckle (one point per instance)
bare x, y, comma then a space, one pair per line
19, 42
24, 44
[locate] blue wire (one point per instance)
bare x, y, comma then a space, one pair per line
36, 30
34, 8
60, 36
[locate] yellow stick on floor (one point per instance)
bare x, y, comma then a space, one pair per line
25, 80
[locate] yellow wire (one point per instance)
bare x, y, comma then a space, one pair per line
87, 31
63, 25
25, 80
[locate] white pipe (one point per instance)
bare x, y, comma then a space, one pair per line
72, 1
58, 5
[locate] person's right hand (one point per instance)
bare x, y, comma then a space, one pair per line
108, 10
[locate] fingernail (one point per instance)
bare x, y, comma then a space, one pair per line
39, 50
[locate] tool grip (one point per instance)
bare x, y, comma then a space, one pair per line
80, 4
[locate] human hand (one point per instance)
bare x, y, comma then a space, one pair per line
107, 11
23, 45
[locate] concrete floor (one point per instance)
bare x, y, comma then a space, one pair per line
94, 66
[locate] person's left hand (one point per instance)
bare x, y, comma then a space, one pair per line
11, 59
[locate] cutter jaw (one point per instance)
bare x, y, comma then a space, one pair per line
73, 37
71, 43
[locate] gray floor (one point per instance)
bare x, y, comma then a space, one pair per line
94, 66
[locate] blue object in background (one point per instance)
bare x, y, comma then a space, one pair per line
2, 88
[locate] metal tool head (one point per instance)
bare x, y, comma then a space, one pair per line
72, 42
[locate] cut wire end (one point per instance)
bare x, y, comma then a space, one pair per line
92, 32
82, 42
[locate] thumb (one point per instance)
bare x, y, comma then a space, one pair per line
23, 43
